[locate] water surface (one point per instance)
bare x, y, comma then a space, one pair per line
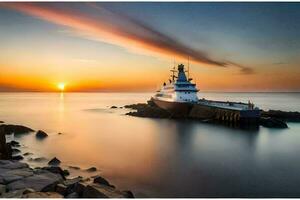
161, 157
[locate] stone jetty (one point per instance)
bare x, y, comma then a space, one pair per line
270, 119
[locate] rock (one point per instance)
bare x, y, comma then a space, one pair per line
128, 194
14, 143
286, 116
16, 129
66, 172
17, 157
2, 189
61, 189
91, 169
101, 180
43, 195
1, 122
72, 185
54, 161
101, 191
73, 195
113, 107
59, 133
41, 134
11, 164
27, 154
15, 151
74, 167
5, 149
55, 170
13, 194
41, 180
11, 175
28, 190
146, 110
79, 188
38, 159
272, 122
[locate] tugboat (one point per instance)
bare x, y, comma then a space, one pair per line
179, 95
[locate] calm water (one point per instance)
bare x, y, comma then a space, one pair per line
162, 158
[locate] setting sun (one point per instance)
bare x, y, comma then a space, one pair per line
61, 86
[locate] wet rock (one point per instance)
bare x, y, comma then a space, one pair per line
14, 143
59, 133
5, 149
17, 157
286, 116
272, 122
66, 172
13, 194
1, 122
146, 110
42, 195
55, 170
41, 134
73, 195
28, 190
91, 169
113, 107
74, 167
128, 194
16, 129
79, 188
15, 151
11, 164
2, 189
54, 161
61, 189
72, 185
101, 191
101, 180
27, 154
38, 159
41, 180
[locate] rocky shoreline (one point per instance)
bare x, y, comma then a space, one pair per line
270, 118
19, 180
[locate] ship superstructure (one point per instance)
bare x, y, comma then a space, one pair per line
178, 94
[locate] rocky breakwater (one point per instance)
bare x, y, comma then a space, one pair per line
270, 119
19, 180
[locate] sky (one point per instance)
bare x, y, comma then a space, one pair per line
130, 47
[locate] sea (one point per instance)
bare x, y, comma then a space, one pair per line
160, 157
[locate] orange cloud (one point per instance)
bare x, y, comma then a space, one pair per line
133, 35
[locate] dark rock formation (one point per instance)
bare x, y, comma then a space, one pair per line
27, 154
17, 157
5, 149
101, 191
15, 151
55, 170
91, 169
74, 167
272, 122
1, 122
128, 194
147, 110
54, 161
41, 134
113, 107
39, 159
14, 144
16, 129
101, 180
286, 116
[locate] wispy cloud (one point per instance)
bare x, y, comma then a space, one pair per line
120, 30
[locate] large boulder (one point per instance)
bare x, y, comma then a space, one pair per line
91, 169
41, 180
41, 134
101, 191
16, 129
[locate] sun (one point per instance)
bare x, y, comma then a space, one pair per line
61, 86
